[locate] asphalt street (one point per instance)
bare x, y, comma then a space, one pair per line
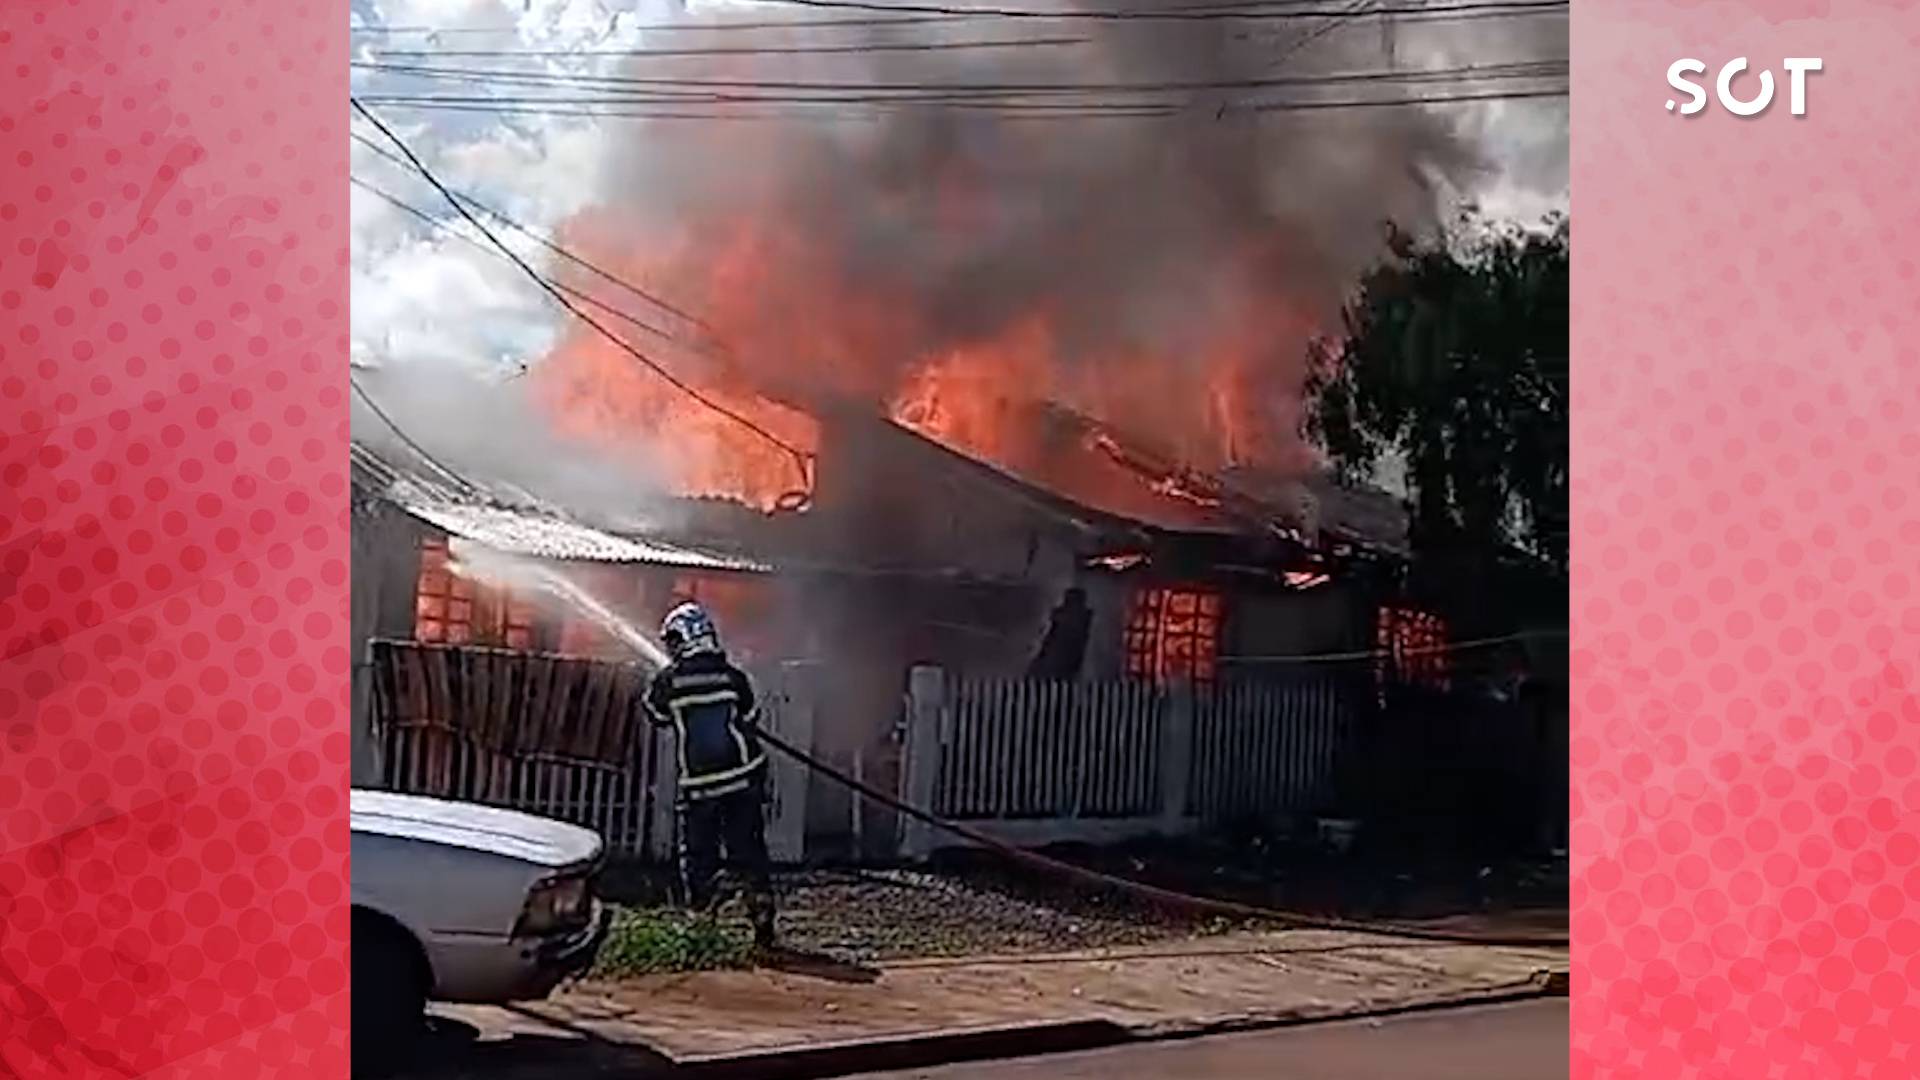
1523, 1041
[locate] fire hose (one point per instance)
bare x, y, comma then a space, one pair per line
1170, 898
1166, 897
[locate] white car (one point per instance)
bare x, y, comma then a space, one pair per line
460, 902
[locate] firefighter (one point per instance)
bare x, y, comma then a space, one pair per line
711, 706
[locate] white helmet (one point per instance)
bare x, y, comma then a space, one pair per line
688, 630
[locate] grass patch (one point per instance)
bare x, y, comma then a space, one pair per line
656, 941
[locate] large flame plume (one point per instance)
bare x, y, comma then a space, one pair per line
961, 269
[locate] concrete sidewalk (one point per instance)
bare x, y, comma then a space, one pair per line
812, 1017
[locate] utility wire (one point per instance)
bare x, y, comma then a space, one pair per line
459, 481
1395, 654
746, 50
533, 107
547, 242
1219, 13
445, 227
949, 15
876, 91
1351, 12
1449, 99
803, 114
799, 457
671, 27
1335, 20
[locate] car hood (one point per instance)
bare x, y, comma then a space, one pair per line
541, 841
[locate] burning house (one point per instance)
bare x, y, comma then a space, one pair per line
907, 552
907, 371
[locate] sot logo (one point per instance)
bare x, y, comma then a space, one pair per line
1796, 68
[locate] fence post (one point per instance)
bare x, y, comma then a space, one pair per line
793, 718
926, 701
1176, 754
666, 788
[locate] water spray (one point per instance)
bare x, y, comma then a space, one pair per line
476, 561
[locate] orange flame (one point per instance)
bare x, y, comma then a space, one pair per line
795, 330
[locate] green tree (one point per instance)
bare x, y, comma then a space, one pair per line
1453, 362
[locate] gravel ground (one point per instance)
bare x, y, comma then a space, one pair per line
978, 904
893, 914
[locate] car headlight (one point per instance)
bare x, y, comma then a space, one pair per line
556, 905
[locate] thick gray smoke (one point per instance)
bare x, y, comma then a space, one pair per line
844, 245
484, 428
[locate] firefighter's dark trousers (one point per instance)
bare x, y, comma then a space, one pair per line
733, 822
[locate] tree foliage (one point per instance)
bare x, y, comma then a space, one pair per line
1453, 362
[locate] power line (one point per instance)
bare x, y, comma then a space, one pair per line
443, 226
534, 107
1450, 99
813, 114
1394, 654
748, 50
459, 481
800, 458
844, 91
1416, 12
671, 27
1243, 12
1223, 12
546, 242
1352, 11
1335, 20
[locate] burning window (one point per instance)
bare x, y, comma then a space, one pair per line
1173, 633
1412, 647
456, 610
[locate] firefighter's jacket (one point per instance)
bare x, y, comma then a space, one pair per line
711, 706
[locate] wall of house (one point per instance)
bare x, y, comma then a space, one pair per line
1333, 618
1111, 598
384, 545
1259, 621
910, 555
888, 499
868, 632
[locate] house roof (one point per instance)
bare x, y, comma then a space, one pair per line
512, 521
993, 477
1117, 484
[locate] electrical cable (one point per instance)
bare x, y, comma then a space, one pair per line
1244, 12
459, 481
800, 457
1257, 107
1248, 12
1393, 654
446, 227
545, 241
743, 50
873, 91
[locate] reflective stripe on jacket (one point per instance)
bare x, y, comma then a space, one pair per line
711, 706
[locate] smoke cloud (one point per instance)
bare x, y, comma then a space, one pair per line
484, 427
1161, 274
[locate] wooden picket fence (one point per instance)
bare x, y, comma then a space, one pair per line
558, 736
1265, 748
1041, 762
1031, 749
